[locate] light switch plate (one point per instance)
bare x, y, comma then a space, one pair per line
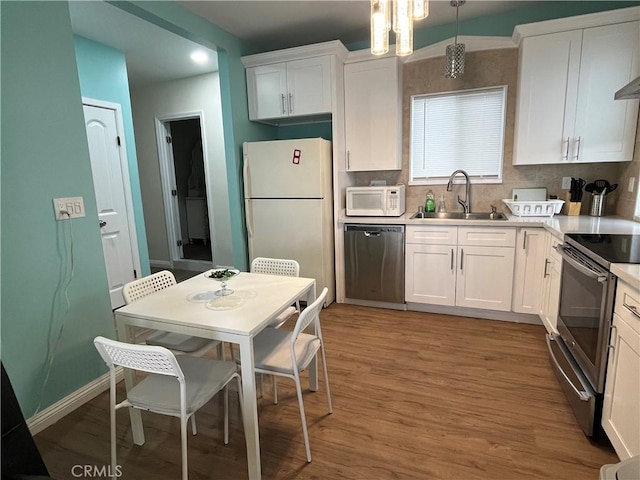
68, 207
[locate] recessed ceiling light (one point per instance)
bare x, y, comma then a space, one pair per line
200, 57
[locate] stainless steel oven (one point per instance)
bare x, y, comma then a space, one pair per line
579, 353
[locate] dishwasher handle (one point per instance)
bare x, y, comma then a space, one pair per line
373, 230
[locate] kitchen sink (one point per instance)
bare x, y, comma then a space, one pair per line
460, 215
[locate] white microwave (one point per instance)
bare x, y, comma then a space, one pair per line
376, 201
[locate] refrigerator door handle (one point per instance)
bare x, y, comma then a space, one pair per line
248, 217
245, 173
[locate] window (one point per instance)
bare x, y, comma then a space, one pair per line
458, 130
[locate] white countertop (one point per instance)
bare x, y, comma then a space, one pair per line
558, 225
627, 272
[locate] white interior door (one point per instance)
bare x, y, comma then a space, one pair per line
170, 191
109, 184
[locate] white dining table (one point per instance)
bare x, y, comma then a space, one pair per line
192, 307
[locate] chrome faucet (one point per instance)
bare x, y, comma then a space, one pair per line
467, 201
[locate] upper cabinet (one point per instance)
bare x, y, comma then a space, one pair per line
566, 112
373, 114
301, 87
294, 85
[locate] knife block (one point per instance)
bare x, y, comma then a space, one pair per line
573, 208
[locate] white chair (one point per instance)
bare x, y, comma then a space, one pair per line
175, 386
278, 266
285, 353
176, 342
288, 268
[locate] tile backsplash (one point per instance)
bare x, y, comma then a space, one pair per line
491, 68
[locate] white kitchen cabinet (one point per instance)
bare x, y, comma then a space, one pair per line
530, 253
621, 407
373, 115
485, 277
453, 266
550, 295
566, 112
288, 89
430, 274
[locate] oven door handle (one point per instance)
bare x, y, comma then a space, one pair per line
583, 395
578, 266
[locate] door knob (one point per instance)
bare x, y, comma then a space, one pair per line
102, 223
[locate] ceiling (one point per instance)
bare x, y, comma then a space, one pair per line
154, 54
289, 23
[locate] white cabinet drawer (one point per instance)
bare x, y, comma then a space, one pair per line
628, 304
432, 235
487, 236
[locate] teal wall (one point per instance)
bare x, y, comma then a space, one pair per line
102, 71
46, 304
309, 130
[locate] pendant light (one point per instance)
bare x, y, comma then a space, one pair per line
404, 13
454, 66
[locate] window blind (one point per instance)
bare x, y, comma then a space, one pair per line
459, 130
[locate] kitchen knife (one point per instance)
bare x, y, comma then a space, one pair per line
581, 184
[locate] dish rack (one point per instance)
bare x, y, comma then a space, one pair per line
547, 208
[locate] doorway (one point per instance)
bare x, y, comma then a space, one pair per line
185, 190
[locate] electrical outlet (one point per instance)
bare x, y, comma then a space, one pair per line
566, 183
632, 182
69, 207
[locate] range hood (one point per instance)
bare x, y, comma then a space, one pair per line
629, 91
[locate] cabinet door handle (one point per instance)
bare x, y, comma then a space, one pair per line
461, 258
546, 265
614, 332
290, 103
632, 308
524, 240
284, 108
452, 259
565, 148
578, 143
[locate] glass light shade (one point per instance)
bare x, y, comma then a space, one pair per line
454, 67
402, 15
379, 30
386, 8
420, 9
404, 40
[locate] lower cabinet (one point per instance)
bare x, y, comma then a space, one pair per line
621, 408
531, 249
460, 266
485, 277
550, 295
430, 274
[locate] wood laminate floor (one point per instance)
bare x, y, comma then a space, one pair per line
415, 396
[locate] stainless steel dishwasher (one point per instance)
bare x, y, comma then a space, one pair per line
374, 262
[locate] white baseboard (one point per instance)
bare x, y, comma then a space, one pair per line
68, 404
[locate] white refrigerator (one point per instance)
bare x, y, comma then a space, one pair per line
289, 205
